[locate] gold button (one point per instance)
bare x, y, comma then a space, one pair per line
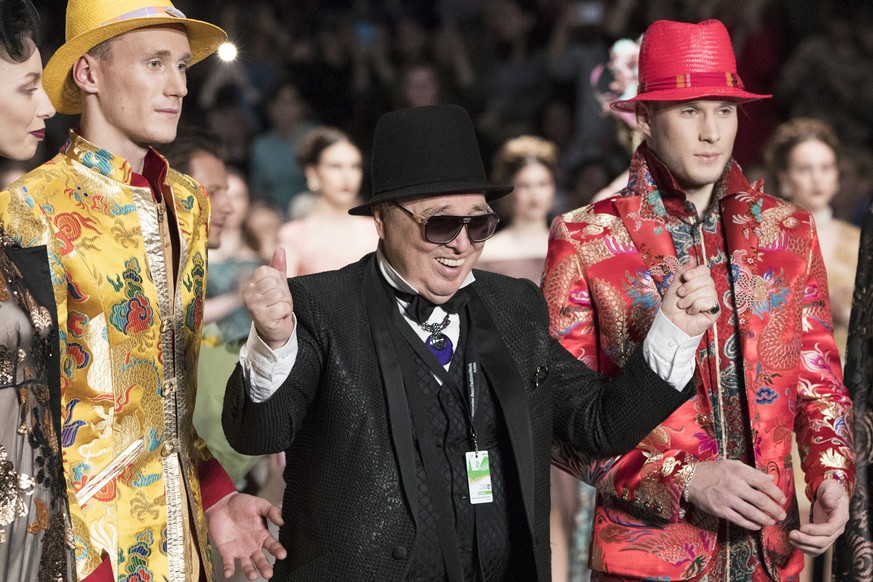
166, 325
169, 387
167, 449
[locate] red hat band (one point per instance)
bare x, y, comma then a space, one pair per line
726, 79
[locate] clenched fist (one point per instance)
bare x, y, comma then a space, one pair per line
690, 301
268, 299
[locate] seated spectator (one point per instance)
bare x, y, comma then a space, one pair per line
200, 154
226, 325
419, 85
230, 263
530, 164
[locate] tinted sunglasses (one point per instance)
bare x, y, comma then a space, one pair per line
443, 228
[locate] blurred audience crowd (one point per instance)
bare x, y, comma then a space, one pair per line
519, 66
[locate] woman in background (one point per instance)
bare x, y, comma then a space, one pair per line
519, 249
530, 164
802, 160
33, 502
328, 237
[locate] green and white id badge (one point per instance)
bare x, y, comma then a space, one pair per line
479, 477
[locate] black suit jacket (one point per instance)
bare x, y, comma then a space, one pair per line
343, 419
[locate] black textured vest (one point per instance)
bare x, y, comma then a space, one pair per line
484, 532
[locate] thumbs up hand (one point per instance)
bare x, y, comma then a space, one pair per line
691, 301
268, 299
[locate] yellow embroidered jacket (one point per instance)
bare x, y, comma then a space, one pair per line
129, 332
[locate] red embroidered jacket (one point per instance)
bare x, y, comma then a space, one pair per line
606, 268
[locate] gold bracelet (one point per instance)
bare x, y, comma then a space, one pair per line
688, 482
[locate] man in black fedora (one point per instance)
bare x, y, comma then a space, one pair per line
416, 400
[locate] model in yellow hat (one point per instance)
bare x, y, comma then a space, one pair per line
126, 239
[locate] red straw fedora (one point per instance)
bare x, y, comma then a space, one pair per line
680, 61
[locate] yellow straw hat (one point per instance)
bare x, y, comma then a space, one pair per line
90, 22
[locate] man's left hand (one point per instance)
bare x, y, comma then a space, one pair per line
688, 299
238, 528
830, 512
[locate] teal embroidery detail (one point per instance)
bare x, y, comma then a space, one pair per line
756, 210
194, 313
122, 209
116, 283
98, 160
657, 203
133, 314
146, 480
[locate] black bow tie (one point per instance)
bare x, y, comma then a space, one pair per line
420, 309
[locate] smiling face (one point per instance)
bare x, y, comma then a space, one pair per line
435, 270
24, 106
694, 139
812, 178
134, 94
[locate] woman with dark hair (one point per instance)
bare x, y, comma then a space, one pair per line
519, 250
530, 164
328, 237
33, 516
802, 158
803, 162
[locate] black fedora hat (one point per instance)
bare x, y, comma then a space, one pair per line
426, 151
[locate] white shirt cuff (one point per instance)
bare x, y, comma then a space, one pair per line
264, 369
670, 352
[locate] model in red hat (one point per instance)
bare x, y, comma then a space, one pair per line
708, 495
